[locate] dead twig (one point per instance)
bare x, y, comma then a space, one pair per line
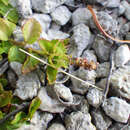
106, 90
20, 108
102, 30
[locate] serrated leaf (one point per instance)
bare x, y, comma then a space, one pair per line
35, 104
19, 118
30, 64
51, 74
1, 115
31, 31
5, 98
6, 29
46, 46
12, 14
16, 55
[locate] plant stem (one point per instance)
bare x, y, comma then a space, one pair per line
60, 70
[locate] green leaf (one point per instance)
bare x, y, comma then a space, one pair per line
5, 2
1, 115
6, 29
31, 31
30, 64
35, 104
19, 118
12, 14
5, 98
51, 74
3, 81
46, 46
16, 55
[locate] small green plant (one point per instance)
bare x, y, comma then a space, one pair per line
8, 20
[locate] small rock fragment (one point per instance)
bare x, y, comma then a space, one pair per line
102, 49
24, 7
81, 15
56, 126
55, 34
120, 81
101, 121
63, 92
86, 75
46, 6
49, 104
103, 70
61, 15
89, 55
80, 39
43, 19
117, 109
122, 55
27, 86
18, 35
39, 121
79, 121
17, 67
94, 97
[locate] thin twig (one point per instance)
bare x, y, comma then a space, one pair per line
106, 90
60, 70
20, 108
102, 30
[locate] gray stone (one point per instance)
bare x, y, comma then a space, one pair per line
79, 121
103, 70
46, 6
80, 39
120, 81
117, 109
48, 103
18, 35
55, 26
39, 121
86, 75
17, 67
61, 15
43, 19
3, 67
70, 2
94, 97
81, 15
101, 121
102, 49
24, 7
127, 36
89, 55
83, 106
102, 83
127, 9
63, 92
57, 126
124, 29
119, 126
54, 34
109, 3
122, 55
11, 78
121, 10
27, 86
109, 24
